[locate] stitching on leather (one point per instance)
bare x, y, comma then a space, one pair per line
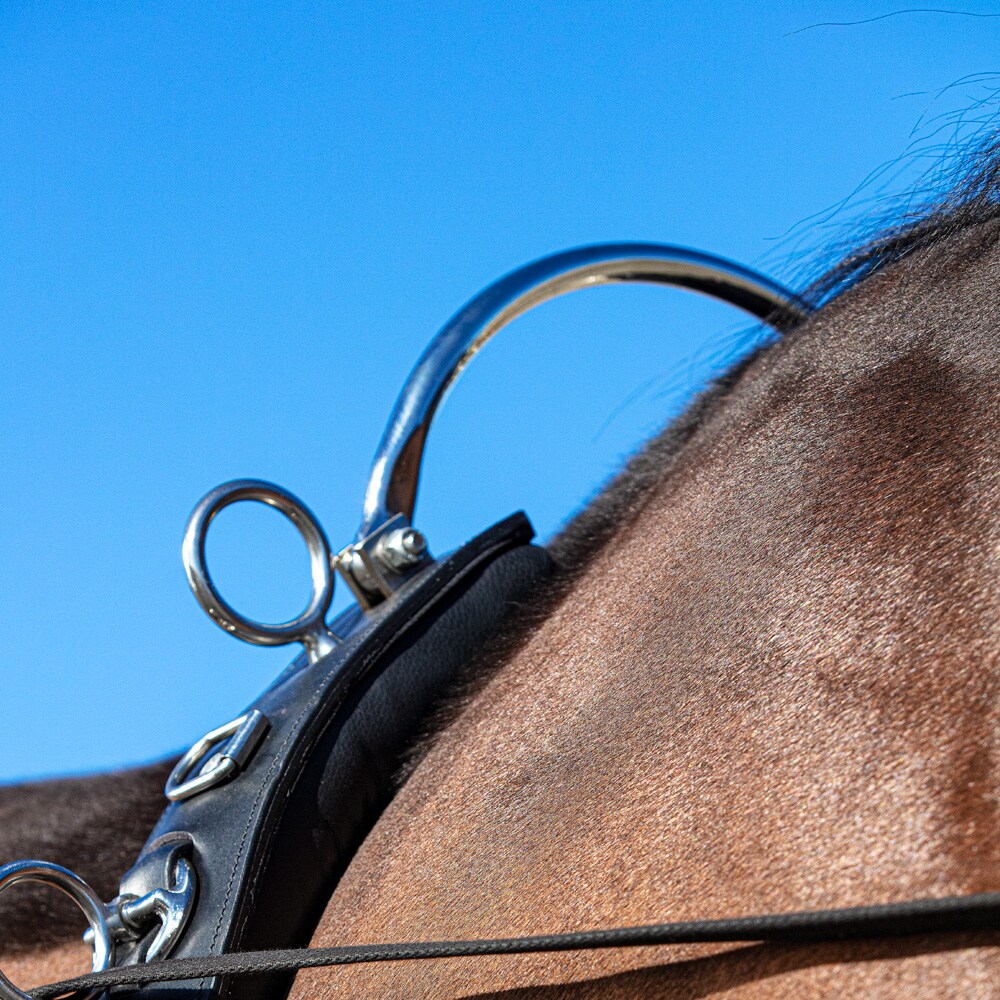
254, 810
460, 572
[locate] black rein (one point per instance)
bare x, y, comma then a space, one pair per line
948, 915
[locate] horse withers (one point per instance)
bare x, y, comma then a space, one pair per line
765, 680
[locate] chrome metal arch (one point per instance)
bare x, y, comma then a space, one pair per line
395, 474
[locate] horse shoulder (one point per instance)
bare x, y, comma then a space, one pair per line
774, 689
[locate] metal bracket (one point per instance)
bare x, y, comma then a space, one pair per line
378, 565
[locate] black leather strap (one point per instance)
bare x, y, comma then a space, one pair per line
269, 847
949, 915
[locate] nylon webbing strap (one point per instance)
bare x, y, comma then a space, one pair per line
923, 916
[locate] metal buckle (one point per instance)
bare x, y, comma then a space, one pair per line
243, 736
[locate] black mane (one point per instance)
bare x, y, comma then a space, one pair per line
971, 196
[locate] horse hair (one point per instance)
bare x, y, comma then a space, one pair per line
971, 198
96, 825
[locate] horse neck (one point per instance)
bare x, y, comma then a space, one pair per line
772, 689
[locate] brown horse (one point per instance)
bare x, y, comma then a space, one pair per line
768, 680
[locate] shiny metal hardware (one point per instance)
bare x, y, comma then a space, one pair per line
217, 757
388, 550
101, 939
401, 549
167, 908
310, 627
375, 567
127, 918
395, 474
170, 908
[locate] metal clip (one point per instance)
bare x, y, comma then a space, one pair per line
170, 907
243, 736
131, 915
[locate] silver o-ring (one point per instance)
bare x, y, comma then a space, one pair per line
309, 627
81, 894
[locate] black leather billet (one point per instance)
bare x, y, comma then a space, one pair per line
270, 846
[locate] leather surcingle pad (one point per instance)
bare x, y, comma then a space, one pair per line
270, 845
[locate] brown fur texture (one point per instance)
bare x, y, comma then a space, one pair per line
768, 680
28, 969
776, 688
94, 826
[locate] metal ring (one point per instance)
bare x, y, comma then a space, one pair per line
81, 894
309, 628
395, 473
242, 737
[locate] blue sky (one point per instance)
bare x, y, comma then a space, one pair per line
229, 230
